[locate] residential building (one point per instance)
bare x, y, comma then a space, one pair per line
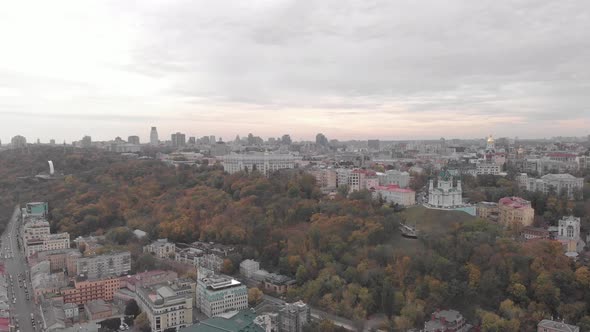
558, 183
248, 267
394, 194
167, 305
446, 320
326, 179
56, 241
278, 283
133, 140
487, 210
401, 179
547, 325
264, 163
217, 294
113, 264
294, 316
199, 258
35, 229
178, 139
89, 245
58, 258
86, 142
515, 211
85, 289
488, 168
18, 142
161, 248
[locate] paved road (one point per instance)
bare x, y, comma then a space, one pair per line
14, 263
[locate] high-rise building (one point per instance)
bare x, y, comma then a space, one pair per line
86, 141
154, 140
133, 139
320, 139
178, 139
294, 316
168, 306
18, 141
114, 264
211, 139
52, 141
373, 144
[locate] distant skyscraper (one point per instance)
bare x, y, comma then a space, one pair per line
154, 140
52, 141
178, 139
373, 144
192, 140
212, 139
133, 139
86, 141
18, 141
321, 139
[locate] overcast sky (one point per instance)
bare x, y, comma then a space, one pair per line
348, 68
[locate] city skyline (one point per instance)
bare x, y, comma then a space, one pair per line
386, 70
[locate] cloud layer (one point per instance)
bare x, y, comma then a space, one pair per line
350, 69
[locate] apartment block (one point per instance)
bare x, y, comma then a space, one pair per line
113, 264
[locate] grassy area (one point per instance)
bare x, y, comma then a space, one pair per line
434, 221
428, 222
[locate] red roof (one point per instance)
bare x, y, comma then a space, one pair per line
515, 202
562, 155
4, 324
394, 188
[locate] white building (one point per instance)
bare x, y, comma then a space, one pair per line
395, 194
445, 194
264, 163
401, 179
552, 182
248, 267
161, 248
488, 168
114, 264
217, 294
167, 306
56, 241
35, 229
569, 235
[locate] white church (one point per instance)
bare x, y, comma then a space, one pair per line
446, 195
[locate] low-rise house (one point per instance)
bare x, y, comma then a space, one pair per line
547, 325
488, 211
248, 267
98, 310
161, 248
278, 283
446, 320
532, 233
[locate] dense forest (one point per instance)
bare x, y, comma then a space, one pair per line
346, 254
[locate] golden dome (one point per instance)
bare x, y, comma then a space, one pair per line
490, 139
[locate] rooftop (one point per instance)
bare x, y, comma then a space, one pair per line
559, 326
514, 202
242, 321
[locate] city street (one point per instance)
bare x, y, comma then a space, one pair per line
15, 264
